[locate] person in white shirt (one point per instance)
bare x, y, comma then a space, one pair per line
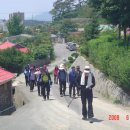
87, 83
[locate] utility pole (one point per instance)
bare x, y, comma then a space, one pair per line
32, 19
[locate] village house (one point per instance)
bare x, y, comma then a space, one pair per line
6, 98
7, 44
78, 32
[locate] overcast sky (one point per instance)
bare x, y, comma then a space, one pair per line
30, 7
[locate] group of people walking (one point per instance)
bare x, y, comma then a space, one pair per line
39, 77
83, 82
73, 78
80, 84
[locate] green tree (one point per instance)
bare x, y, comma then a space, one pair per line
117, 12
68, 26
95, 3
111, 11
15, 27
91, 29
13, 60
66, 8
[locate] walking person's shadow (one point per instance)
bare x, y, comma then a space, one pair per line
94, 120
97, 120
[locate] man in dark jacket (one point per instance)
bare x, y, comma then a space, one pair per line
87, 83
78, 80
62, 76
72, 81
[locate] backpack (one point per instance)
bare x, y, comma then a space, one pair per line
45, 78
26, 73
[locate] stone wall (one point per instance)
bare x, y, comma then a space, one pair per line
105, 86
6, 101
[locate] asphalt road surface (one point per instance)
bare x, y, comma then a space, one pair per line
54, 114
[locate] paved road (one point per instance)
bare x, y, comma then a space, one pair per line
55, 115
61, 54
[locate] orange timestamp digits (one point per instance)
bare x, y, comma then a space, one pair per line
114, 117
127, 117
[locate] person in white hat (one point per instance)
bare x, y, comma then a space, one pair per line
87, 83
62, 76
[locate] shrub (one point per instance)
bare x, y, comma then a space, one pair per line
71, 60
75, 55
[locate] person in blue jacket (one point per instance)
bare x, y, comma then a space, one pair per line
72, 81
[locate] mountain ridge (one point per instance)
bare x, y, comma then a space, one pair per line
44, 16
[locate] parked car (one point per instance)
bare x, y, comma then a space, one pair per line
71, 46
68, 44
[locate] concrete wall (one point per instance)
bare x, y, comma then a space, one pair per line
20, 98
105, 86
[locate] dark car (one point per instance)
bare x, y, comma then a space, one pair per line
71, 46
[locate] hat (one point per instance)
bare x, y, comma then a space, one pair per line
37, 69
86, 71
87, 67
61, 66
37, 72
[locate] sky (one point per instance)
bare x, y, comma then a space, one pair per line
29, 7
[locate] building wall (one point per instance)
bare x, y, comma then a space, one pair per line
5, 96
3, 26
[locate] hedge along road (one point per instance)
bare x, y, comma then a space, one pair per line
55, 115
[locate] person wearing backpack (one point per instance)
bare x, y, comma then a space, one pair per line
72, 81
46, 82
62, 76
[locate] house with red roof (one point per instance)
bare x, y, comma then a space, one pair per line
7, 44
6, 98
21, 48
